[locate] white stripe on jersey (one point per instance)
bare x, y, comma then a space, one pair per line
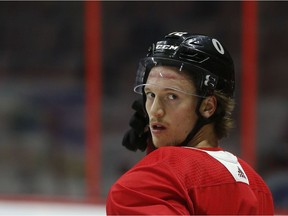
230, 162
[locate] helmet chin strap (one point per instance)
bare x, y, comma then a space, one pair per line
201, 121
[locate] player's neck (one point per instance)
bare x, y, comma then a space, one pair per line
205, 138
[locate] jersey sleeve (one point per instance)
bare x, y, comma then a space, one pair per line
148, 189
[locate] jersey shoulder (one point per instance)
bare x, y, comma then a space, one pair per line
175, 154
189, 163
256, 181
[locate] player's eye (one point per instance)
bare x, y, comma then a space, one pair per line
172, 97
149, 95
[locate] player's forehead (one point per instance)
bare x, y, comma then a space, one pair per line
170, 77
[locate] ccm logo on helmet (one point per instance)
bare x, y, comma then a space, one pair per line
166, 47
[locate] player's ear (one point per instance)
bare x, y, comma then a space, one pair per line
208, 106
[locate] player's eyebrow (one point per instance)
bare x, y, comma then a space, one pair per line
167, 89
146, 88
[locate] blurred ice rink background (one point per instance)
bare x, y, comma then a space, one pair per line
22, 208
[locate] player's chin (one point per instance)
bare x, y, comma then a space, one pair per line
158, 143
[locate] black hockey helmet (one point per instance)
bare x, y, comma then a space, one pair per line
206, 58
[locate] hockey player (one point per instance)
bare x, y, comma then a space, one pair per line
187, 82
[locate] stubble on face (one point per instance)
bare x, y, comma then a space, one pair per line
181, 120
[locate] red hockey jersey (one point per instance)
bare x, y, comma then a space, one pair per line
187, 181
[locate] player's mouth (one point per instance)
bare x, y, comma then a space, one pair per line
157, 128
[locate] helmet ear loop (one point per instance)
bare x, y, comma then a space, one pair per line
149, 136
144, 105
